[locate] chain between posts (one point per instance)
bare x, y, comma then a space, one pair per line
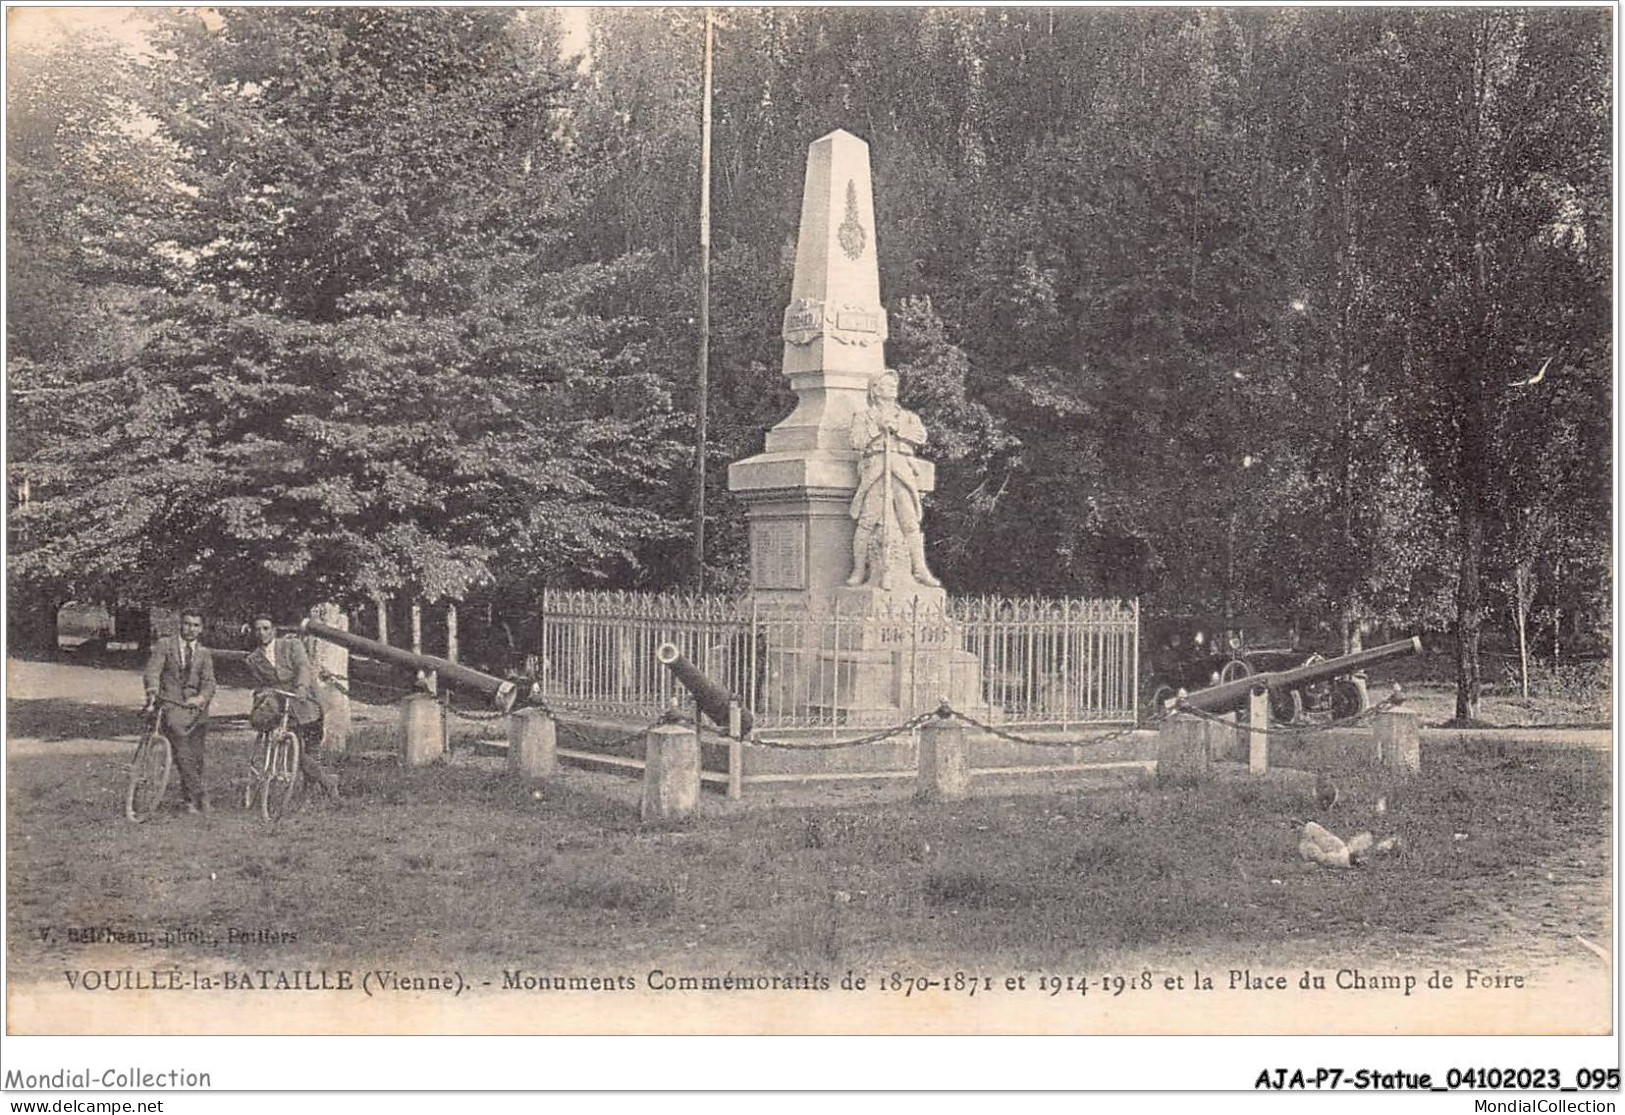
1239, 725
477, 717
344, 684
605, 745
904, 728
1031, 741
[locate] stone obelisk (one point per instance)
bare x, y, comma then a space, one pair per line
798, 492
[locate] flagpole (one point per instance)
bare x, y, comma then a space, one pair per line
701, 404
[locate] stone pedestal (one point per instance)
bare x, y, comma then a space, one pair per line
944, 766
333, 661
1399, 739
423, 730
1227, 742
671, 774
532, 745
1258, 740
800, 536
873, 660
1182, 749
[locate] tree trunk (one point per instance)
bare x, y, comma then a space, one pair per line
33, 627
1523, 597
1523, 653
1469, 609
1557, 612
1472, 460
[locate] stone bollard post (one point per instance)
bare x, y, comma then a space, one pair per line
423, 738
944, 769
1399, 739
1258, 740
671, 774
1227, 742
1182, 748
736, 752
333, 660
532, 744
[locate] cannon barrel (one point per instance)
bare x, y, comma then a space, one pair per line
712, 698
1232, 695
501, 693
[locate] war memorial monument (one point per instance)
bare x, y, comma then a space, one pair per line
834, 501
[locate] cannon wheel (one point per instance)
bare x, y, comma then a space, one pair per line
1234, 669
1286, 706
1348, 699
1154, 704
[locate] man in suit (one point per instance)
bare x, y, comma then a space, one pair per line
281, 663
180, 673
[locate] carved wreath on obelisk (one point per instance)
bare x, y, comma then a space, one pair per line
851, 234
887, 504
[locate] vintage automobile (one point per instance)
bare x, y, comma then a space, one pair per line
1191, 652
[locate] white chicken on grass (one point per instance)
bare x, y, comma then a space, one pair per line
1329, 850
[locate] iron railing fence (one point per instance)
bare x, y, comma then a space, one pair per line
1030, 661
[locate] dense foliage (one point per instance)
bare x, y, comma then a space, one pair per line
1294, 310
373, 361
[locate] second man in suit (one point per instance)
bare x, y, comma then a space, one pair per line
180, 674
281, 663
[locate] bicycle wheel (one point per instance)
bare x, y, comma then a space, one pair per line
149, 777
1286, 706
281, 775
1156, 694
253, 780
1348, 699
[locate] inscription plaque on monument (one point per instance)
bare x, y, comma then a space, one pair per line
859, 321
803, 321
778, 554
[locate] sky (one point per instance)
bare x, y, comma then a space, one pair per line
26, 26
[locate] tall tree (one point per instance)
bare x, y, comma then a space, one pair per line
85, 195
1349, 507
381, 366
1505, 175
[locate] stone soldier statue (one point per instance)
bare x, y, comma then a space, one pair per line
887, 503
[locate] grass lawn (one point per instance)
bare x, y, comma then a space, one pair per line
1506, 861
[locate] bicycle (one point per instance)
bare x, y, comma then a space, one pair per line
274, 779
150, 767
